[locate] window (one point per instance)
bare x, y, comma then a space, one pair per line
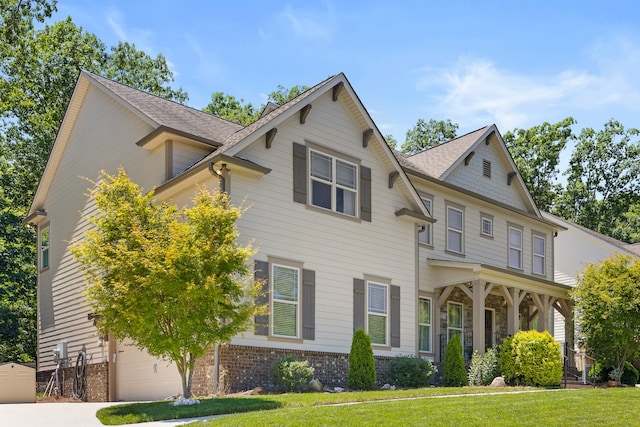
455, 230
424, 236
486, 168
286, 284
424, 325
377, 313
334, 183
454, 320
486, 228
515, 247
44, 248
538, 254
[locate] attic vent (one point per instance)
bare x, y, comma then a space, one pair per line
486, 168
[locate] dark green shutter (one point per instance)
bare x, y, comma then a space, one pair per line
365, 193
299, 173
358, 304
394, 316
261, 273
308, 304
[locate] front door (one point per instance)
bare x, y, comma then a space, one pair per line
488, 328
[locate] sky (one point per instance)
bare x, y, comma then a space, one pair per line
514, 63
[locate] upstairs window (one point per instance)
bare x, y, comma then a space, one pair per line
538, 254
333, 183
486, 226
455, 229
515, 247
44, 248
425, 235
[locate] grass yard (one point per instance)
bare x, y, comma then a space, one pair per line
412, 407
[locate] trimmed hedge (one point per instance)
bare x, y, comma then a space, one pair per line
408, 371
291, 375
454, 372
362, 368
531, 358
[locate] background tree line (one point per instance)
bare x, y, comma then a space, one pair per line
39, 66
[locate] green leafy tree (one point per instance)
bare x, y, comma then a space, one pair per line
282, 95
173, 281
603, 178
391, 141
607, 302
428, 134
454, 372
536, 152
362, 368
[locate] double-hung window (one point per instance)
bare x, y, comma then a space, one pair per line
538, 254
455, 229
454, 320
285, 301
333, 183
425, 236
515, 247
424, 325
44, 248
377, 313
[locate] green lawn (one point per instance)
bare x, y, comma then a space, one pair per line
412, 407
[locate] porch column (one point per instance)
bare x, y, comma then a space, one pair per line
565, 308
513, 311
542, 303
437, 303
479, 295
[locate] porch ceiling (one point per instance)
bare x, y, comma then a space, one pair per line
448, 273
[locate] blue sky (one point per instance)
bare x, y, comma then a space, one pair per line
512, 63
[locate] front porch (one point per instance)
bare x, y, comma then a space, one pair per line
485, 304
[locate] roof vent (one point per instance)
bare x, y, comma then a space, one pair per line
486, 168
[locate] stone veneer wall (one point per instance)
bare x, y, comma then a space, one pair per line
97, 382
245, 368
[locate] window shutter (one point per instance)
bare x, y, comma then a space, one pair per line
299, 173
395, 316
308, 304
358, 304
261, 272
365, 193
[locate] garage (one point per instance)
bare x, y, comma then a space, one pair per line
140, 376
17, 383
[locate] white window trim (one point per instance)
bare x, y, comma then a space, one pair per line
461, 231
511, 247
461, 328
536, 255
44, 248
273, 300
428, 229
385, 315
489, 219
430, 325
334, 184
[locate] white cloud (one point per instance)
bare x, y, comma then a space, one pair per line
142, 38
301, 24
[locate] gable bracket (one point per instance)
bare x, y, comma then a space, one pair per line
392, 178
468, 158
366, 136
510, 177
486, 140
304, 113
336, 90
271, 134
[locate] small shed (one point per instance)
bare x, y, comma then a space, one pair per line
17, 383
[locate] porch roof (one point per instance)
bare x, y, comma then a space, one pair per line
449, 272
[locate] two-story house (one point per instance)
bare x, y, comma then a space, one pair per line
351, 235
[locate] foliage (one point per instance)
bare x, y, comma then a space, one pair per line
173, 281
454, 373
428, 134
484, 367
629, 375
362, 368
601, 372
531, 358
291, 375
603, 178
536, 152
607, 297
391, 141
407, 371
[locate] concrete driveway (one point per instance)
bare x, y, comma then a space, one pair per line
65, 414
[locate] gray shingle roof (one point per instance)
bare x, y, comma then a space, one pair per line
172, 114
436, 161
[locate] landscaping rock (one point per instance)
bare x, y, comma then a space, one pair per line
386, 387
315, 385
338, 389
498, 382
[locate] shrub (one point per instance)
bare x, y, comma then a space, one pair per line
601, 370
407, 371
537, 359
630, 375
484, 368
362, 368
291, 375
454, 373
507, 362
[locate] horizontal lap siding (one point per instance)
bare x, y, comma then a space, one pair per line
103, 138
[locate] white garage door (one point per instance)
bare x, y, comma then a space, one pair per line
140, 376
